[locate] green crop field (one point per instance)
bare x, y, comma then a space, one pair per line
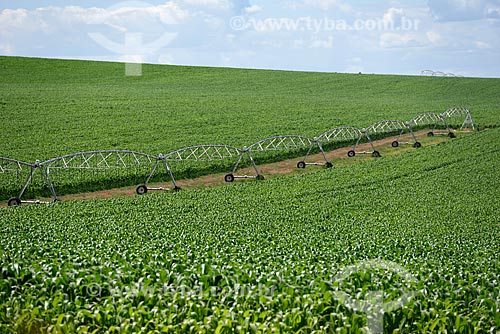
408, 241
55, 107
265, 256
50, 108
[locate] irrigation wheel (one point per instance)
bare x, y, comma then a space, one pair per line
14, 201
141, 189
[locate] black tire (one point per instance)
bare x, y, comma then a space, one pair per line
351, 154
141, 189
376, 154
395, 143
451, 135
229, 178
260, 177
430, 134
329, 165
417, 145
301, 165
14, 201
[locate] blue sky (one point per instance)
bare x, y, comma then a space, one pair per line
388, 36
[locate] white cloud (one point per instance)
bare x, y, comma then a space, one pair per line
434, 37
236, 6
75, 14
482, 45
253, 9
354, 69
171, 13
214, 3
13, 17
205, 36
318, 43
7, 49
393, 17
463, 10
166, 59
328, 4
21, 20
355, 65
390, 40
149, 18
493, 13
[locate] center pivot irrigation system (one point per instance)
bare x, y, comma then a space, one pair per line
200, 153
340, 136
276, 143
81, 168
86, 164
439, 74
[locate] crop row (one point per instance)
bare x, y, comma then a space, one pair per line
53, 107
267, 257
107, 169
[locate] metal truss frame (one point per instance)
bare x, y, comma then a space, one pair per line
91, 160
275, 143
456, 112
393, 126
427, 72
431, 121
112, 159
354, 152
8, 165
199, 153
339, 134
439, 74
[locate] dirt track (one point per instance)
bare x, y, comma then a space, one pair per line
338, 157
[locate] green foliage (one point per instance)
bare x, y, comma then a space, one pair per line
263, 256
54, 107
49, 108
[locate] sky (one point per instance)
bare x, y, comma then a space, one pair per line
461, 37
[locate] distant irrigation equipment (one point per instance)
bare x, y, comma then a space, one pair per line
339, 136
431, 73
85, 169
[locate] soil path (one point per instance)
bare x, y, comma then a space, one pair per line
337, 157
